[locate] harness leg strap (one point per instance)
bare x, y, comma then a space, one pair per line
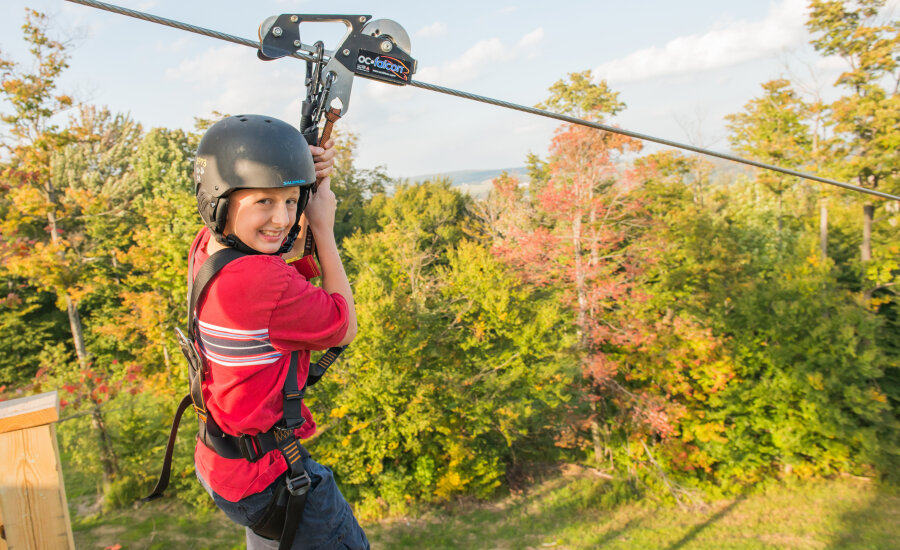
170, 448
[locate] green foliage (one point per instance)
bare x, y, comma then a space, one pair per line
28, 320
354, 187
582, 97
803, 388
676, 323
154, 260
456, 361
137, 425
772, 129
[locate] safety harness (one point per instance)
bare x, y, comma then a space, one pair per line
285, 512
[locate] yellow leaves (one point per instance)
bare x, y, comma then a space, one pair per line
479, 330
339, 412
706, 432
29, 202
360, 426
345, 442
449, 483
816, 381
877, 396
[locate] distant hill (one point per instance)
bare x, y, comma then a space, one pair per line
474, 182
478, 182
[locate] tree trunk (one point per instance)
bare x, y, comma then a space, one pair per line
71, 306
107, 455
868, 216
823, 229
77, 332
599, 450
580, 289
780, 206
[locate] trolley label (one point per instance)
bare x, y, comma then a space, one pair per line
382, 66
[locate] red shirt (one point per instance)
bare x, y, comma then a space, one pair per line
252, 315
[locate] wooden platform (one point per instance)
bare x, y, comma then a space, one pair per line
33, 509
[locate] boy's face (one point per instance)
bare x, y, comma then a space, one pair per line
261, 218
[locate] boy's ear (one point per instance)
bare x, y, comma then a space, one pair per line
221, 214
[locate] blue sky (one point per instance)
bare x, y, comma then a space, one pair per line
679, 66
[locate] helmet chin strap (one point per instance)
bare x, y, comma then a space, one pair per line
234, 242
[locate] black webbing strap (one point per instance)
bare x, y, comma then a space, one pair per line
254, 447
208, 270
293, 397
317, 370
210, 267
296, 481
163, 481
284, 514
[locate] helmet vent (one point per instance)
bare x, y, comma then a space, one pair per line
268, 121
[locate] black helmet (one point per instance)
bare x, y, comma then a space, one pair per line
249, 152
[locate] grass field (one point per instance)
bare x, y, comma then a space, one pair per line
570, 510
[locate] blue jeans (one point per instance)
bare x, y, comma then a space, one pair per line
328, 522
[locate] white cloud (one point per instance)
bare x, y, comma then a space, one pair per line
729, 44
174, 46
480, 57
434, 30
533, 38
231, 79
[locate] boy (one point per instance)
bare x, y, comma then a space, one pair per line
257, 320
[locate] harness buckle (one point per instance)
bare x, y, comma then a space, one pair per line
298, 485
249, 447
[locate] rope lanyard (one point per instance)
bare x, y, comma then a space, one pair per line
497, 102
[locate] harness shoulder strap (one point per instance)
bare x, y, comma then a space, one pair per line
210, 268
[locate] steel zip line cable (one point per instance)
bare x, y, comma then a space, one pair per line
499, 103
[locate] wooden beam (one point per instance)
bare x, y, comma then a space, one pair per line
27, 412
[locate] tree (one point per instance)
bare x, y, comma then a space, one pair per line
36, 137
866, 120
582, 97
766, 362
576, 232
78, 180
153, 260
353, 187
772, 129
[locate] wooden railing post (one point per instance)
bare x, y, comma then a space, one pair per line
34, 514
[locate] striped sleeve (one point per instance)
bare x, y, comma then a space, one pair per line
236, 348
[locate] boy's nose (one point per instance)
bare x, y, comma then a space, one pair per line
282, 215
